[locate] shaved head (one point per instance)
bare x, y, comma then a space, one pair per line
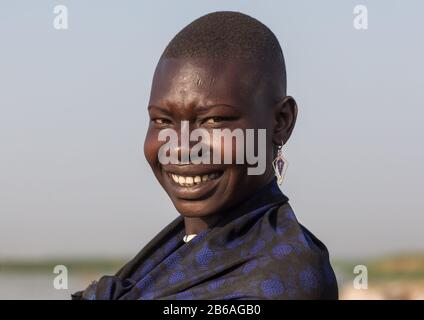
227, 35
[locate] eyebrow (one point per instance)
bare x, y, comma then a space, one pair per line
202, 108
198, 108
165, 110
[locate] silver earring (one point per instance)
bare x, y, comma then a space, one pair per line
280, 165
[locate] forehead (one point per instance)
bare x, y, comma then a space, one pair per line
187, 82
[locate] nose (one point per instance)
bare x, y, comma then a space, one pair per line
191, 151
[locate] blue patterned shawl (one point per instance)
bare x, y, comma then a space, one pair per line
257, 251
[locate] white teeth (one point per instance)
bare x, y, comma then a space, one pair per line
189, 181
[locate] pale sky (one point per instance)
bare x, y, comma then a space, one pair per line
73, 178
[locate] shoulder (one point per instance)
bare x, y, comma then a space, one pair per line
294, 264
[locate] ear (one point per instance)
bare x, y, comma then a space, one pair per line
285, 114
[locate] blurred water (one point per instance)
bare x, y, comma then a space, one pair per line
39, 286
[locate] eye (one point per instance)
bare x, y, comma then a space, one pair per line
161, 121
214, 120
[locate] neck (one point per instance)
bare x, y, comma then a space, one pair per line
195, 225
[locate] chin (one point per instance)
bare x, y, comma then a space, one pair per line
194, 209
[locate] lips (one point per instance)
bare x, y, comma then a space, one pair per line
192, 182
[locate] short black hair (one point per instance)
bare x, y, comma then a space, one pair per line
229, 34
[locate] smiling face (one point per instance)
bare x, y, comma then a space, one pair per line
210, 94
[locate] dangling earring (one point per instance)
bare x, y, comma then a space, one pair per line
280, 165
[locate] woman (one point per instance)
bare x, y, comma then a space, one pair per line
236, 237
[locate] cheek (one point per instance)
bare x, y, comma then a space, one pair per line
151, 147
227, 150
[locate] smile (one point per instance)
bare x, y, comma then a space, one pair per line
194, 180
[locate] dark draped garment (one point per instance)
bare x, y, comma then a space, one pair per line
256, 251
